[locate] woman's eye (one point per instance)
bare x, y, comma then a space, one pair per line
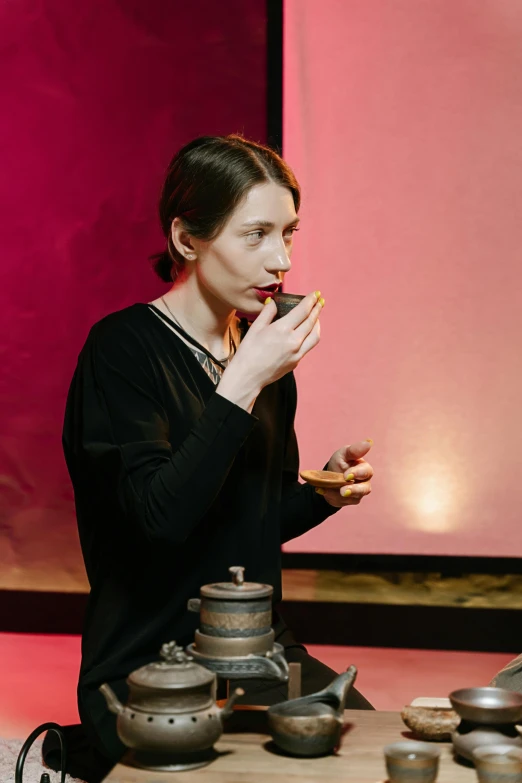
253, 237
289, 233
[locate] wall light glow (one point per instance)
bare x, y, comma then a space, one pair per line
432, 481
432, 499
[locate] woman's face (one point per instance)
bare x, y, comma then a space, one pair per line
249, 258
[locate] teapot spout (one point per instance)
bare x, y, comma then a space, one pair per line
340, 687
113, 703
226, 712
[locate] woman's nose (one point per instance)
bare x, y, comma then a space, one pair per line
278, 262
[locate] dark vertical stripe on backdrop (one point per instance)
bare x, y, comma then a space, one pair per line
274, 91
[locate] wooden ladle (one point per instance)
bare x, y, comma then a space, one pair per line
324, 479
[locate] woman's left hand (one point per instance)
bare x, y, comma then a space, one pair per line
357, 472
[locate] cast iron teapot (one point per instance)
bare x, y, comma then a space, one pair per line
171, 719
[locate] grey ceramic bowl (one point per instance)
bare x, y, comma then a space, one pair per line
285, 303
315, 734
498, 764
487, 705
412, 762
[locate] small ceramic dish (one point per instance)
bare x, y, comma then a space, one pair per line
324, 479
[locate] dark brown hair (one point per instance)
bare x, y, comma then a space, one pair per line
205, 182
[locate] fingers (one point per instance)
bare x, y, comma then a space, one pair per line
360, 471
310, 341
357, 450
340, 497
265, 317
356, 491
306, 327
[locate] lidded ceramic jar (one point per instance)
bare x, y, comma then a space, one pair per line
235, 617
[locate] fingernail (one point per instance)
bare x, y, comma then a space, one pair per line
346, 493
268, 299
320, 491
349, 477
321, 301
317, 294
370, 441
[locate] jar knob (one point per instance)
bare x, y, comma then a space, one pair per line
173, 653
238, 575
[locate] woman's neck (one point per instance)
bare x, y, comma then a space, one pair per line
201, 316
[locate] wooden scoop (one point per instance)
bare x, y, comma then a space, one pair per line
325, 479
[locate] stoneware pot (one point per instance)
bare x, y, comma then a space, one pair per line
467, 737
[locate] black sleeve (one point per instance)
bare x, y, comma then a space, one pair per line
301, 507
121, 432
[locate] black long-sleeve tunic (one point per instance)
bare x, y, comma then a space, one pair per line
173, 484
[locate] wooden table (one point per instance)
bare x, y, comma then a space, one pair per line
245, 759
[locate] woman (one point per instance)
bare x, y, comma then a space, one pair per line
179, 431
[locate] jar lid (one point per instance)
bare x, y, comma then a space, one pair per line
237, 589
177, 671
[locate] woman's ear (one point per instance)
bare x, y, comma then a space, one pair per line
182, 240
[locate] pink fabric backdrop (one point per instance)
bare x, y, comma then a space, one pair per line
95, 98
403, 122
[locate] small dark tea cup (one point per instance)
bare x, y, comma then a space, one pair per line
285, 303
412, 762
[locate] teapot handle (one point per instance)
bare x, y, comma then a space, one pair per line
194, 605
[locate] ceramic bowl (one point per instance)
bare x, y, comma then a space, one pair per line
487, 705
315, 734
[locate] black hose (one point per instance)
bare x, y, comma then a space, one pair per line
19, 772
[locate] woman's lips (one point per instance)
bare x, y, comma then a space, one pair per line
263, 293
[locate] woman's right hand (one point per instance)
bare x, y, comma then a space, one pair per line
270, 350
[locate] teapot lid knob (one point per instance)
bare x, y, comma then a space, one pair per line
238, 575
173, 653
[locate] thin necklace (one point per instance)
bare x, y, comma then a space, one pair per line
219, 362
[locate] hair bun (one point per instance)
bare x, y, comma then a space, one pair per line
162, 263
